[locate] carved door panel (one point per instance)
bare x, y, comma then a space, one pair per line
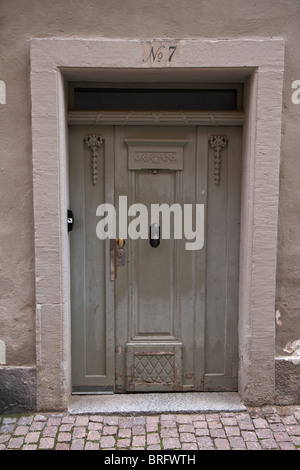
162, 315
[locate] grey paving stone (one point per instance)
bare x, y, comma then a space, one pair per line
256, 429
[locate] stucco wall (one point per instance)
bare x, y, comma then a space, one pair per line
21, 20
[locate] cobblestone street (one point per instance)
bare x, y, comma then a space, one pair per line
270, 428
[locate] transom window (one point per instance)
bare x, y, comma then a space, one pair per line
117, 98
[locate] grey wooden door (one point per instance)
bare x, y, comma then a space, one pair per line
168, 321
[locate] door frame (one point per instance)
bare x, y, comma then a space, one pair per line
259, 64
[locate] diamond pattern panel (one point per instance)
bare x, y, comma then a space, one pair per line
154, 368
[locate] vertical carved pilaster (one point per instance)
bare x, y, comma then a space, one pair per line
217, 142
94, 142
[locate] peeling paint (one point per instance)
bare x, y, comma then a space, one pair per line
277, 316
293, 348
2, 92
2, 353
292, 359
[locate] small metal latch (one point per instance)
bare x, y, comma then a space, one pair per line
70, 220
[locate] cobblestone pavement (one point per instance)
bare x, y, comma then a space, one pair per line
255, 429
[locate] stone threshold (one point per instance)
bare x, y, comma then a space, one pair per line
153, 403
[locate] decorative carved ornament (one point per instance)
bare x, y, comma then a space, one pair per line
154, 368
93, 142
155, 154
217, 142
162, 118
156, 157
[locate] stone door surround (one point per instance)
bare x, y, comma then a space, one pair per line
259, 64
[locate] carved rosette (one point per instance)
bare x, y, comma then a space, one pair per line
93, 142
217, 142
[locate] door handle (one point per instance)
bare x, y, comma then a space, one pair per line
121, 242
113, 260
154, 235
117, 257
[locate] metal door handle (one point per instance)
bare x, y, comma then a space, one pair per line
117, 257
113, 260
121, 242
154, 235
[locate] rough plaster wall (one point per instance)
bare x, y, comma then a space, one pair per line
21, 20
288, 271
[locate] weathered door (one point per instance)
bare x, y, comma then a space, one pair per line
144, 317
